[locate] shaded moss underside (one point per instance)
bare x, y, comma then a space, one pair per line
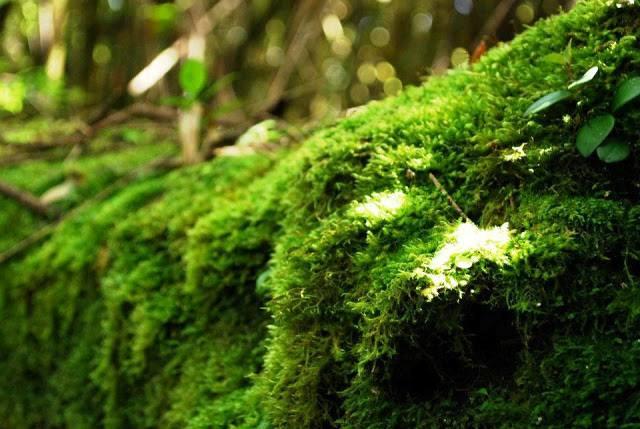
334, 286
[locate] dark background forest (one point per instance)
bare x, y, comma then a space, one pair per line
299, 60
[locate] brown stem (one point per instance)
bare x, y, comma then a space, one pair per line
449, 197
162, 163
493, 23
139, 110
26, 199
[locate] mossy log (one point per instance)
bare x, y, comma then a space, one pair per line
334, 285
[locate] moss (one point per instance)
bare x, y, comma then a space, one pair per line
333, 285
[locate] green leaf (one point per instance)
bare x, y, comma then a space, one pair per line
483, 391
593, 133
547, 101
556, 58
181, 102
261, 282
193, 76
217, 86
587, 77
132, 135
614, 150
627, 92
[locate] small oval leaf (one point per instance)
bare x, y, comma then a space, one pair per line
555, 58
593, 133
547, 101
586, 78
627, 92
193, 76
613, 150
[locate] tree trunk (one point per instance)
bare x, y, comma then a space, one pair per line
190, 119
53, 17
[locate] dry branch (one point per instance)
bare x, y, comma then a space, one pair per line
25, 199
494, 22
137, 110
453, 203
163, 163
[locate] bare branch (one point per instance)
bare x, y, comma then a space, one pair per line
453, 203
26, 199
139, 110
494, 22
162, 163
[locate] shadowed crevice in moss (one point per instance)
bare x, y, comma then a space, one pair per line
484, 350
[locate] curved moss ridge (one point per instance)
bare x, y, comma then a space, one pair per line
334, 286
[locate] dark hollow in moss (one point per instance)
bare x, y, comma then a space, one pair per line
483, 350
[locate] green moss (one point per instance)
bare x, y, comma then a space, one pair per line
333, 285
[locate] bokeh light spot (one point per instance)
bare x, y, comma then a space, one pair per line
422, 23
101, 54
236, 35
332, 27
342, 9
525, 13
115, 5
336, 75
359, 93
463, 7
367, 73
274, 56
275, 28
380, 37
392, 86
459, 56
341, 46
385, 71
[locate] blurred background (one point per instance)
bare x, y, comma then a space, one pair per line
297, 60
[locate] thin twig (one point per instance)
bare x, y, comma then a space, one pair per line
25, 244
494, 21
449, 198
45, 231
137, 110
25, 199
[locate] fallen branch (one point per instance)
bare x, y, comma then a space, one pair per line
37, 146
136, 110
25, 244
26, 199
45, 231
18, 158
449, 197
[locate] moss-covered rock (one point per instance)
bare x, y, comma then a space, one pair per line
334, 285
